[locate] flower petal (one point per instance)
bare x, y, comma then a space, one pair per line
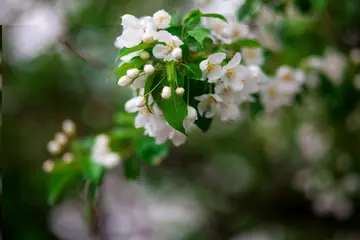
217, 58
130, 21
140, 81
204, 64
235, 61
159, 51
163, 36
215, 74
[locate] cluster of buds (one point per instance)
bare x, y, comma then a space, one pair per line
60, 142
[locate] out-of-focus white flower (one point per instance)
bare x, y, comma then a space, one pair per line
61, 138
162, 19
314, 62
227, 94
254, 79
357, 81
48, 166
68, 157
166, 92
140, 101
177, 138
149, 69
233, 31
208, 104
272, 97
234, 74
211, 67
228, 112
333, 66
289, 79
166, 51
313, 145
351, 183
53, 147
69, 127
355, 55
192, 116
253, 56
101, 153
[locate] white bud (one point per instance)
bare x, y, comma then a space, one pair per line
140, 101
48, 166
149, 69
192, 114
61, 138
177, 53
133, 73
68, 127
144, 55
147, 38
166, 92
180, 91
67, 157
53, 147
125, 81
110, 160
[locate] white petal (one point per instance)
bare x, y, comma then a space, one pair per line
235, 61
177, 41
163, 36
159, 51
217, 58
130, 105
130, 21
211, 110
140, 81
202, 107
178, 138
202, 97
215, 74
141, 120
216, 97
204, 64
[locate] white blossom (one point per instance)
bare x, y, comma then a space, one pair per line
101, 153
272, 97
166, 51
133, 31
132, 73
68, 157
253, 56
69, 127
289, 79
61, 138
177, 138
177, 53
234, 74
144, 55
125, 81
333, 66
211, 67
162, 19
228, 112
48, 166
190, 119
140, 81
208, 104
53, 147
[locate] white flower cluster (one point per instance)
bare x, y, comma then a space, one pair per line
154, 122
59, 143
234, 84
101, 153
147, 30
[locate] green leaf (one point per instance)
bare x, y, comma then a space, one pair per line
131, 168
203, 123
246, 43
247, 9
175, 30
175, 111
199, 34
175, 18
94, 172
319, 5
192, 17
150, 152
193, 71
303, 5
124, 118
148, 89
214, 15
125, 51
136, 62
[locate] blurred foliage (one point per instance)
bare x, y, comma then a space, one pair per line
57, 84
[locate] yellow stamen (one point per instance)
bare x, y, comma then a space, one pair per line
230, 73
288, 76
272, 92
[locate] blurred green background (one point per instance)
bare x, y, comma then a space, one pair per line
241, 175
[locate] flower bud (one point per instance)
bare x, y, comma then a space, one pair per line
149, 69
132, 73
180, 91
177, 53
61, 138
140, 101
68, 127
67, 157
48, 166
124, 81
53, 147
144, 55
166, 92
192, 114
147, 38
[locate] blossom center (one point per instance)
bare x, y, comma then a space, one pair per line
171, 46
236, 32
287, 76
230, 73
210, 67
250, 53
162, 18
272, 92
